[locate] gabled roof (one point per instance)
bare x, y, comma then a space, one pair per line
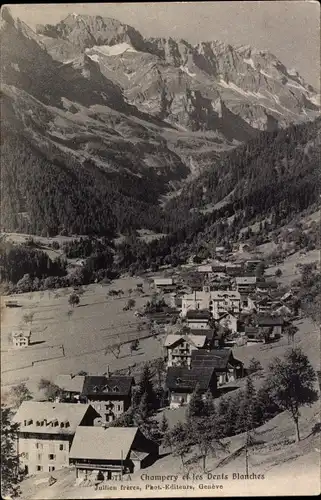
183, 378
22, 334
246, 280
217, 359
198, 314
208, 332
67, 413
267, 284
70, 383
163, 281
222, 316
101, 385
99, 443
196, 340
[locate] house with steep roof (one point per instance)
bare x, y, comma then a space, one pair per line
21, 337
46, 432
106, 453
198, 319
224, 301
70, 385
226, 367
110, 396
164, 284
245, 284
182, 381
179, 348
229, 321
275, 322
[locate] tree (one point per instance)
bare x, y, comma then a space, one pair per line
206, 433
163, 428
51, 390
130, 303
180, 440
11, 473
73, 299
278, 273
291, 330
134, 345
28, 317
18, 394
146, 389
196, 404
291, 383
255, 365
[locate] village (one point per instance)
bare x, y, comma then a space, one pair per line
201, 320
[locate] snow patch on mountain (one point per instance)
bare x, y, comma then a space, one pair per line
296, 86
250, 62
187, 71
113, 50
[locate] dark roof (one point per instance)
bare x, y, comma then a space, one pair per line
267, 284
269, 321
198, 314
251, 329
183, 378
217, 359
97, 385
209, 332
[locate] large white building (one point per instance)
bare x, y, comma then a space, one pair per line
46, 431
217, 302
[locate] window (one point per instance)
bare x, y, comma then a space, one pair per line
51, 468
61, 447
116, 389
51, 456
39, 468
39, 457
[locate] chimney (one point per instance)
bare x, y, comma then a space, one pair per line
107, 372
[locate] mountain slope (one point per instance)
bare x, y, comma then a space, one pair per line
188, 85
131, 117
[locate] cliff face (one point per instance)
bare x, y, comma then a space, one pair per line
150, 105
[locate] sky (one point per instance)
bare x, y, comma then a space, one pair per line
288, 29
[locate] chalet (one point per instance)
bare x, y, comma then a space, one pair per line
181, 383
224, 301
266, 286
228, 320
70, 385
251, 265
47, 431
264, 305
253, 335
101, 453
205, 269
212, 339
164, 284
110, 396
179, 348
234, 269
21, 338
245, 284
199, 319
226, 367
276, 322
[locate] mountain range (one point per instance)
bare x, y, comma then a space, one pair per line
96, 99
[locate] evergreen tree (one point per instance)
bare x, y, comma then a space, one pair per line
11, 473
146, 390
196, 404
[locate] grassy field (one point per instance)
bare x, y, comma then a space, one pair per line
67, 344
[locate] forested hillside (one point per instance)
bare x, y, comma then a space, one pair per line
275, 174
43, 195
